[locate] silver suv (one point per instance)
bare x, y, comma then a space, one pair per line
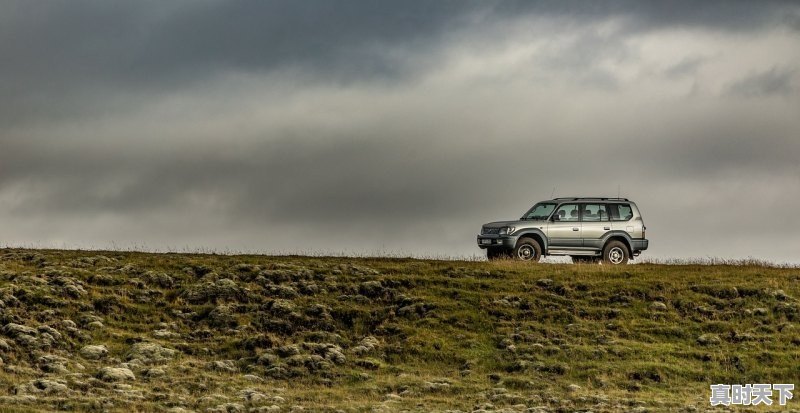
586, 229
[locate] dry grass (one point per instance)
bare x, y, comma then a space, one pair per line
366, 334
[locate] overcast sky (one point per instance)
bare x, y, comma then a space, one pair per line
395, 127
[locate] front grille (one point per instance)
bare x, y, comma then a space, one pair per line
490, 230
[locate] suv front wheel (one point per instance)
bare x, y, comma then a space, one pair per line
528, 249
615, 253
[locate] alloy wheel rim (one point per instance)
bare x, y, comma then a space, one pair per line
616, 255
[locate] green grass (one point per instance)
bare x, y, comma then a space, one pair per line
450, 334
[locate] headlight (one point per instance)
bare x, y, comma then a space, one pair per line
507, 230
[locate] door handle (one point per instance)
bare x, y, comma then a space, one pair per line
574, 229
606, 228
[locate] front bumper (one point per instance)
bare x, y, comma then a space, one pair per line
639, 244
496, 241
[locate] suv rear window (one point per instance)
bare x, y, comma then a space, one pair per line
620, 212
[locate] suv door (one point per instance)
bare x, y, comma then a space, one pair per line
594, 224
566, 231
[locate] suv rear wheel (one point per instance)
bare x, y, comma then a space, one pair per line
615, 253
527, 249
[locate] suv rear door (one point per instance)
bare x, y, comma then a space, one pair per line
594, 224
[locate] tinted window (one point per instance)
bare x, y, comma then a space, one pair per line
594, 213
568, 212
620, 212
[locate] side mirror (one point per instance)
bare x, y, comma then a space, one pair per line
555, 218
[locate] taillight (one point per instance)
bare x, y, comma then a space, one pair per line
644, 228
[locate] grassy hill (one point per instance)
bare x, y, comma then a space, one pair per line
111, 331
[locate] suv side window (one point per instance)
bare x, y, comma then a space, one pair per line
620, 212
567, 212
594, 213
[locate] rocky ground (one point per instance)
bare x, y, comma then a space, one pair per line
134, 332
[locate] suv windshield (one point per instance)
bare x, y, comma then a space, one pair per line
539, 211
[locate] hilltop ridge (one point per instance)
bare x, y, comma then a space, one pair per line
120, 331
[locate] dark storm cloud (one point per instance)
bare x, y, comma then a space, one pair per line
737, 15
61, 57
64, 58
288, 125
65, 45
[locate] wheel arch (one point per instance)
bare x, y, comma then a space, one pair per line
536, 235
618, 236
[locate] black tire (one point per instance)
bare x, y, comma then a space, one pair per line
584, 259
528, 249
615, 253
496, 253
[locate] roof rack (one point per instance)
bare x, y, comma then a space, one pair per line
571, 198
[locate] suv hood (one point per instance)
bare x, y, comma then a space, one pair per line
516, 223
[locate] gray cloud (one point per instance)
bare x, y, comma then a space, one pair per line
686, 67
362, 126
771, 82
792, 20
